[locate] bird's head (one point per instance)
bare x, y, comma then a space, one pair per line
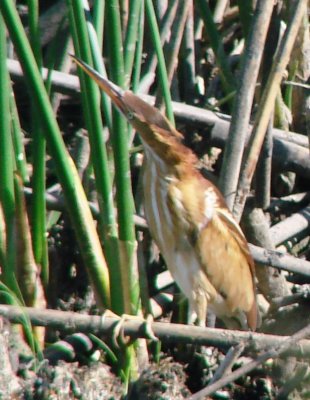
155, 129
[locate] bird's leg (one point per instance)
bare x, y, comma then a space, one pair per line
211, 319
201, 307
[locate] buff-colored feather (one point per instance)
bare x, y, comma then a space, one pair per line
204, 248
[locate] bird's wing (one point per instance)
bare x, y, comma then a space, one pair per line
238, 235
240, 261
220, 244
226, 262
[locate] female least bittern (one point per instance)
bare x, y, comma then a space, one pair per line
203, 247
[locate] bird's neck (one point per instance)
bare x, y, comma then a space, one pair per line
171, 156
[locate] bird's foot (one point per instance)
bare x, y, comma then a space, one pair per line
119, 339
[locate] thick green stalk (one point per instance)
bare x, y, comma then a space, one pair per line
7, 198
124, 199
90, 97
98, 20
38, 217
76, 200
121, 159
131, 37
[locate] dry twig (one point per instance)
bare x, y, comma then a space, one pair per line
266, 105
243, 101
245, 369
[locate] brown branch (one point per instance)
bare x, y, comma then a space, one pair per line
172, 47
134, 328
219, 11
264, 172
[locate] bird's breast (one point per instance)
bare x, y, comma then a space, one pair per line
157, 213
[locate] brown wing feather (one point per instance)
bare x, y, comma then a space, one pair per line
220, 243
225, 264
236, 233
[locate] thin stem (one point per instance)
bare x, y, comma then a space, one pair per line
217, 45
173, 47
38, 210
131, 37
98, 20
162, 71
187, 60
96, 46
263, 173
245, 15
139, 49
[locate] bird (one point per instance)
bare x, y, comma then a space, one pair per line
203, 246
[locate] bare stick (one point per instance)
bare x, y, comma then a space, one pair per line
176, 37
266, 106
270, 282
228, 362
295, 224
243, 101
280, 260
219, 11
69, 322
173, 47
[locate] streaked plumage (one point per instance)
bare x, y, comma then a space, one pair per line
203, 247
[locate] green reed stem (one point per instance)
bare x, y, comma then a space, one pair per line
76, 200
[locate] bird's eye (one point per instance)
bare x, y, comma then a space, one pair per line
130, 116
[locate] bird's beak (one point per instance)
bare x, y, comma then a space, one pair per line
113, 91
